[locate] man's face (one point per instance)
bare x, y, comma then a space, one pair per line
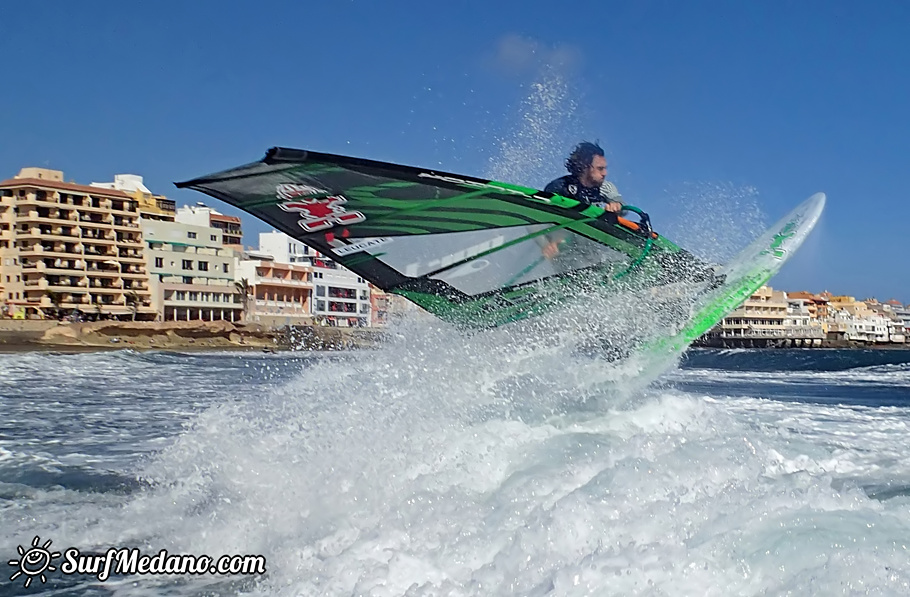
596, 173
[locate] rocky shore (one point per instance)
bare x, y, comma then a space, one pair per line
19, 335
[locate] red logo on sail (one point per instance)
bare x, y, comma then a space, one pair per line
322, 213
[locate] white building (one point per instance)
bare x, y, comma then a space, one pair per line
334, 295
191, 272
872, 328
202, 215
340, 296
800, 321
285, 249
903, 313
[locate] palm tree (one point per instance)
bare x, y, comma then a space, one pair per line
246, 291
96, 300
56, 299
131, 300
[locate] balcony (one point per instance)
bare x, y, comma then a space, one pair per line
36, 198
266, 281
37, 249
35, 217
92, 220
105, 289
28, 233
94, 254
96, 205
97, 239
102, 272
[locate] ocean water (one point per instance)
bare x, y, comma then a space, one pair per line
512, 462
445, 464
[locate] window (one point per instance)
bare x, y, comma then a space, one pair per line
194, 296
320, 291
214, 237
187, 264
181, 295
224, 267
159, 261
187, 280
320, 305
203, 266
191, 235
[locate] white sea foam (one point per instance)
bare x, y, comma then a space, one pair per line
445, 464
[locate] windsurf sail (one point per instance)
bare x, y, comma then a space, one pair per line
466, 249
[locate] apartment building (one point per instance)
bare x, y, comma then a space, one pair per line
380, 307
191, 272
202, 215
334, 295
802, 320
762, 315
276, 293
151, 206
890, 310
66, 248
339, 297
902, 312
816, 304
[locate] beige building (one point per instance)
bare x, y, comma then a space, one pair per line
278, 293
763, 314
380, 307
191, 272
66, 247
151, 207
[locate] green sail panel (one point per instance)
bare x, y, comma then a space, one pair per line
466, 249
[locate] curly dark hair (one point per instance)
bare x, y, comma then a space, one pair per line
582, 156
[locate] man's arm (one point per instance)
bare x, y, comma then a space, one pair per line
549, 243
610, 199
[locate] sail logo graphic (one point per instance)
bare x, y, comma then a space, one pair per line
786, 232
290, 191
322, 213
368, 243
34, 561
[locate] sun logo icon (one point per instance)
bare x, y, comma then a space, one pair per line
34, 561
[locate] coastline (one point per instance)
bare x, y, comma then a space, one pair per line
53, 336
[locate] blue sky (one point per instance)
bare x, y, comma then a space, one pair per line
717, 117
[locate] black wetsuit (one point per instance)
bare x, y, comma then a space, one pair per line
568, 186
